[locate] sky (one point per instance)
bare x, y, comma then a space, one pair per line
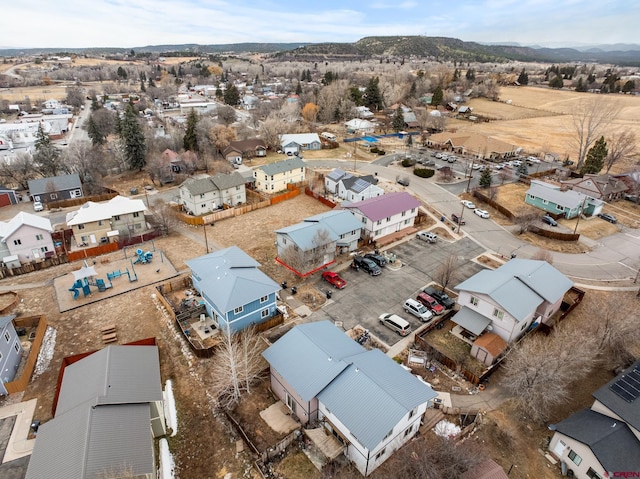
137, 23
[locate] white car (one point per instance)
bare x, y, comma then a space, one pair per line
476, 166
468, 204
481, 213
37, 206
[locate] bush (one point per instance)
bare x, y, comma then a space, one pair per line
424, 172
374, 149
407, 162
382, 152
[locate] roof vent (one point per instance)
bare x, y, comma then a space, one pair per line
329, 358
614, 424
357, 370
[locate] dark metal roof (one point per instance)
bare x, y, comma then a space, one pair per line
60, 183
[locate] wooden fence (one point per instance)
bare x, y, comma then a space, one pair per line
93, 251
82, 200
31, 267
292, 192
495, 204
320, 198
20, 384
16, 300
221, 214
554, 234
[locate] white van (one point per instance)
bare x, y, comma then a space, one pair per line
395, 323
417, 309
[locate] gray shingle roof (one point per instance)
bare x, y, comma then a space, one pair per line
223, 181
610, 440
61, 183
366, 390
628, 411
230, 278
282, 166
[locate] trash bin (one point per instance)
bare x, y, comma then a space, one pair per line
329, 294
442, 218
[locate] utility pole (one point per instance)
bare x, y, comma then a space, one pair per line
580, 210
206, 243
470, 175
460, 219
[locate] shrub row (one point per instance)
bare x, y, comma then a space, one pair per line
424, 172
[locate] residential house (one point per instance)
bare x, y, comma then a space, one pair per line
295, 143
52, 104
509, 300
244, 150
56, 188
359, 126
568, 203
410, 120
10, 352
359, 188
274, 177
109, 411
199, 196
473, 144
8, 196
602, 187
364, 399
363, 112
384, 215
312, 244
95, 223
603, 441
26, 238
236, 293
249, 102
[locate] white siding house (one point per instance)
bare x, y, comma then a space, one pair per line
274, 177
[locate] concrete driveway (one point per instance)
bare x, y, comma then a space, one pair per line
366, 297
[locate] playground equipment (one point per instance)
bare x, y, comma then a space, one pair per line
143, 257
80, 284
118, 273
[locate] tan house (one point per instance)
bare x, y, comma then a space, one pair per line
601, 187
275, 177
244, 149
96, 223
480, 146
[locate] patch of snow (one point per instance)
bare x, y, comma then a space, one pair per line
46, 352
170, 408
446, 429
167, 465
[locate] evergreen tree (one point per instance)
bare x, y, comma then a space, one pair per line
95, 135
95, 104
151, 83
591, 79
556, 82
218, 93
437, 97
42, 139
232, 95
356, 95
581, 86
412, 90
142, 87
595, 158
456, 75
523, 78
133, 138
486, 178
398, 120
471, 74
47, 156
190, 141
122, 73
372, 98
299, 89
628, 86
522, 169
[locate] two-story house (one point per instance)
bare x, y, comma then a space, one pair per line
508, 300
275, 177
95, 223
236, 293
109, 411
55, 188
199, 196
10, 352
295, 143
26, 238
384, 215
603, 441
312, 244
364, 399
350, 187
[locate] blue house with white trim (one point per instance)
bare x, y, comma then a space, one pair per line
10, 352
569, 203
235, 292
364, 399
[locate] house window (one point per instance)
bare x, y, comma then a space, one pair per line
271, 177
116, 218
473, 300
255, 174
545, 202
7, 336
39, 237
574, 457
266, 177
83, 239
404, 213
100, 223
136, 214
44, 249
591, 474
284, 240
238, 310
406, 222
201, 195
53, 196
497, 313
16, 346
412, 413
138, 226
264, 313
364, 220
413, 210
406, 433
291, 404
388, 435
203, 205
237, 188
388, 219
381, 453
17, 242
80, 227
264, 298
560, 208
378, 223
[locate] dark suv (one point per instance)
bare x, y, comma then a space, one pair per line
360, 262
376, 258
440, 296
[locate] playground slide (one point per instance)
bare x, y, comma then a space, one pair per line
75, 292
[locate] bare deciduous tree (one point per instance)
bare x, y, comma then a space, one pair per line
303, 261
19, 171
621, 146
446, 272
525, 221
589, 119
221, 136
543, 255
164, 215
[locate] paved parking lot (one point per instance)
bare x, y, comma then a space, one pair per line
366, 297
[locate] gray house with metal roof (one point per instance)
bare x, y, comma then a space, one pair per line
312, 244
274, 177
200, 196
10, 352
604, 440
236, 293
368, 402
568, 204
55, 188
109, 410
508, 300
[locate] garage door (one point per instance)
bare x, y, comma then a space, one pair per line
5, 200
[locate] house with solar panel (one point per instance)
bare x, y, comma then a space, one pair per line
604, 440
385, 215
236, 293
364, 401
108, 411
350, 187
313, 243
274, 177
509, 300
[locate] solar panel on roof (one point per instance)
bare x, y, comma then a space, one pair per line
628, 386
359, 185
